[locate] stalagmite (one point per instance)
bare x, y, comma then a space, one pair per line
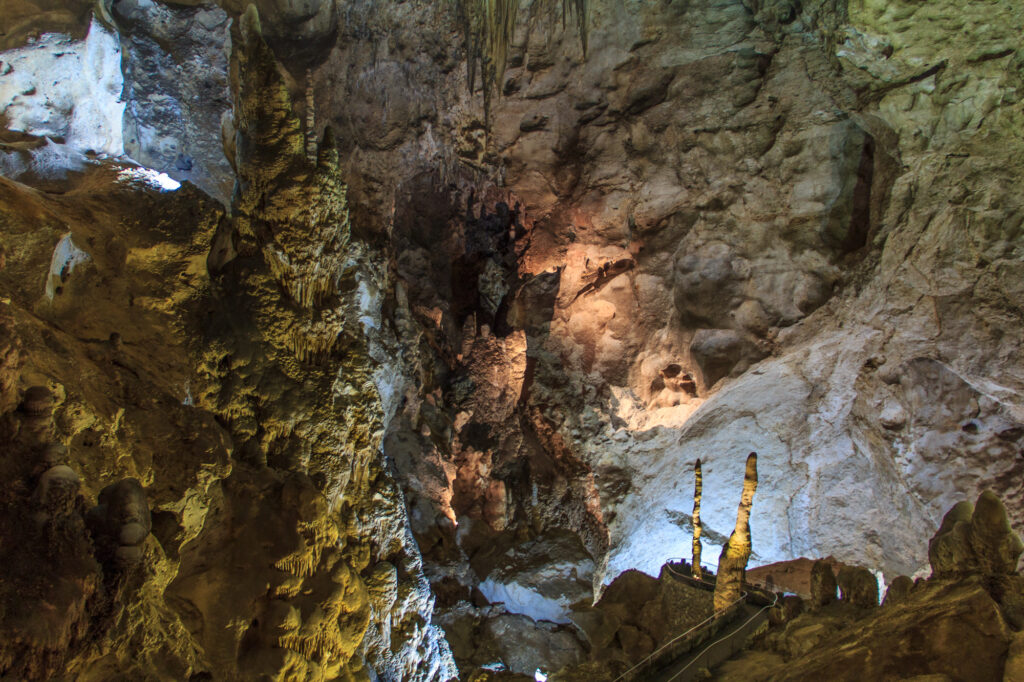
732, 564
823, 584
312, 146
697, 573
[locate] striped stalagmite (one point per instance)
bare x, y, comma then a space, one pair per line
697, 573
732, 564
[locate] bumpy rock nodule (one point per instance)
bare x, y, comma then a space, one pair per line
975, 539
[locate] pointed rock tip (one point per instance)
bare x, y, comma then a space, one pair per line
250, 22
329, 141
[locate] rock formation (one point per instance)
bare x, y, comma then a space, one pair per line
193, 467
551, 253
898, 590
975, 539
732, 564
857, 586
697, 573
954, 627
120, 522
823, 584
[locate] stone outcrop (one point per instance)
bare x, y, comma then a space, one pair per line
898, 590
952, 627
975, 539
732, 564
959, 632
191, 426
823, 584
121, 522
697, 478
847, 192
858, 586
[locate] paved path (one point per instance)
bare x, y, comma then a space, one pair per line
723, 647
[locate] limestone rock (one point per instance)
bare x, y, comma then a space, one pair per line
120, 522
10, 360
858, 586
37, 401
720, 352
542, 579
1015, 659
975, 539
823, 584
638, 613
898, 590
696, 521
945, 620
732, 564
525, 647
789, 607
176, 90
662, 195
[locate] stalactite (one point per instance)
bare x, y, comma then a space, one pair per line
732, 564
697, 573
313, 342
489, 26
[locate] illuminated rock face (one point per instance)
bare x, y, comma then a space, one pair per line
68, 89
726, 226
207, 378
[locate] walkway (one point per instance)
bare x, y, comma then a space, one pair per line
708, 643
730, 641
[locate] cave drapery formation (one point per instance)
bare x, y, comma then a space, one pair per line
349, 339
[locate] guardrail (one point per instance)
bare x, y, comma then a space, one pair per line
701, 632
703, 655
684, 642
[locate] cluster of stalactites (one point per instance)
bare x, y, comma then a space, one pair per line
314, 341
489, 27
290, 195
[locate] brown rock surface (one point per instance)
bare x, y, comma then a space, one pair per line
929, 633
898, 590
975, 539
822, 584
550, 259
857, 586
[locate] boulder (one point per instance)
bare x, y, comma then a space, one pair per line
823, 584
858, 586
786, 610
898, 590
975, 539
542, 578
526, 646
121, 522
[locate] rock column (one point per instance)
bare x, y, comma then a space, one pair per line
732, 564
697, 573
823, 584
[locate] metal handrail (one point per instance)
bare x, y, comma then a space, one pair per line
707, 621
763, 586
722, 639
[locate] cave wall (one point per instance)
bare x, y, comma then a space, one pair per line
667, 231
